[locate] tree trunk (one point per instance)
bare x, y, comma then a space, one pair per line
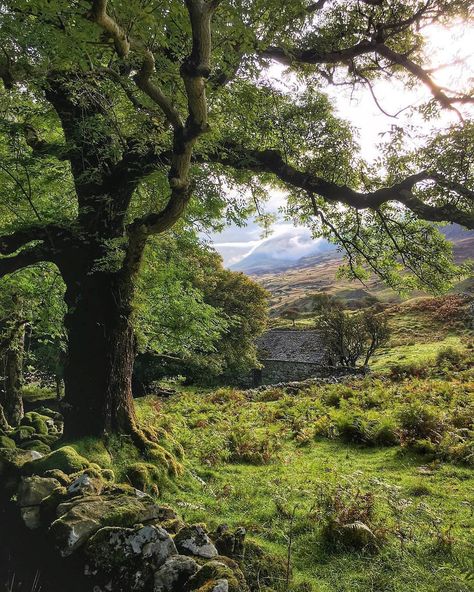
11, 400
3, 420
101, 350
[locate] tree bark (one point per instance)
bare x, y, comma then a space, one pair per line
101, 351
11, 397
3, 420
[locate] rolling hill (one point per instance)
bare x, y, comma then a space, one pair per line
291, 280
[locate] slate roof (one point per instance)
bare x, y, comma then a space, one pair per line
291, 346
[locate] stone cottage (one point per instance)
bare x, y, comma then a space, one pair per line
290, 356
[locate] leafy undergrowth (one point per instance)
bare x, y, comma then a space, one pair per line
371, 481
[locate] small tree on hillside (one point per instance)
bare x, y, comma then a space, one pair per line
291, 314
348, 337
377, 330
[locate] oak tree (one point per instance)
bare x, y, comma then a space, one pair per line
116, 116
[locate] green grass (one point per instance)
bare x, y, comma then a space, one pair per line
423, 353
296, 455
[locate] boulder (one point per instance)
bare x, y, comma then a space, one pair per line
221, 586
82, 517
40, 423
6, 442
50, 413
230, 543
59, 475
13, 459
65, 459
85, 484
35, 444
128, 557
174, 573
212, 573
193, 540
22, 432
31, 492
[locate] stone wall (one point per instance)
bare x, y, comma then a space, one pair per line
278, 371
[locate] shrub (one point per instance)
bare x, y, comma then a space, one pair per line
385, 433
352, 429
347, 519
333, 395
419, 422
226, 395
423, 446
458, 446
449, 356
325, 427
408, 370
245, 446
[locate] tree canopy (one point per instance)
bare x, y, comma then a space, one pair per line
121, 118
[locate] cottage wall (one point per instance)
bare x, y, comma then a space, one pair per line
275, 371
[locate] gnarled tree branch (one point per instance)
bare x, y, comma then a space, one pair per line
24, 258
271, 161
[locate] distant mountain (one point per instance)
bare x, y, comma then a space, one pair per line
291, 251
284, 252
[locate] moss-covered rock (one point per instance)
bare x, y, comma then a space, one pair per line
174, 525
35, 445
80, 518
37, 421
12, 460
48, 439
194, 540
208, 577
174, 574
129, 555
31, 492
89, 482
22, 433
63, 479
261, 568
6, 442
65, 459
228, 543
50, 413
48, 507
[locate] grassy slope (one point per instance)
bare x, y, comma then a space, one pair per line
252, 462
416, 335
427, 502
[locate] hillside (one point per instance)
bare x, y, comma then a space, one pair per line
291, 283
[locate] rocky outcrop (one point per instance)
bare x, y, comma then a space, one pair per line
128, 557
174, 574
113, 537
83, 516
193, 540
87, 533
31, 492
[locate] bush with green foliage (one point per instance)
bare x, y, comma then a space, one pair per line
351, 336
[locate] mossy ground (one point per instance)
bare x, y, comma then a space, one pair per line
258, 462
397, 454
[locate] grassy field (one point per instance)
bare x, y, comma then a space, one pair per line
396, 456
361, 486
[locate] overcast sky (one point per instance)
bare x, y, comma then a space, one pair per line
444, 47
